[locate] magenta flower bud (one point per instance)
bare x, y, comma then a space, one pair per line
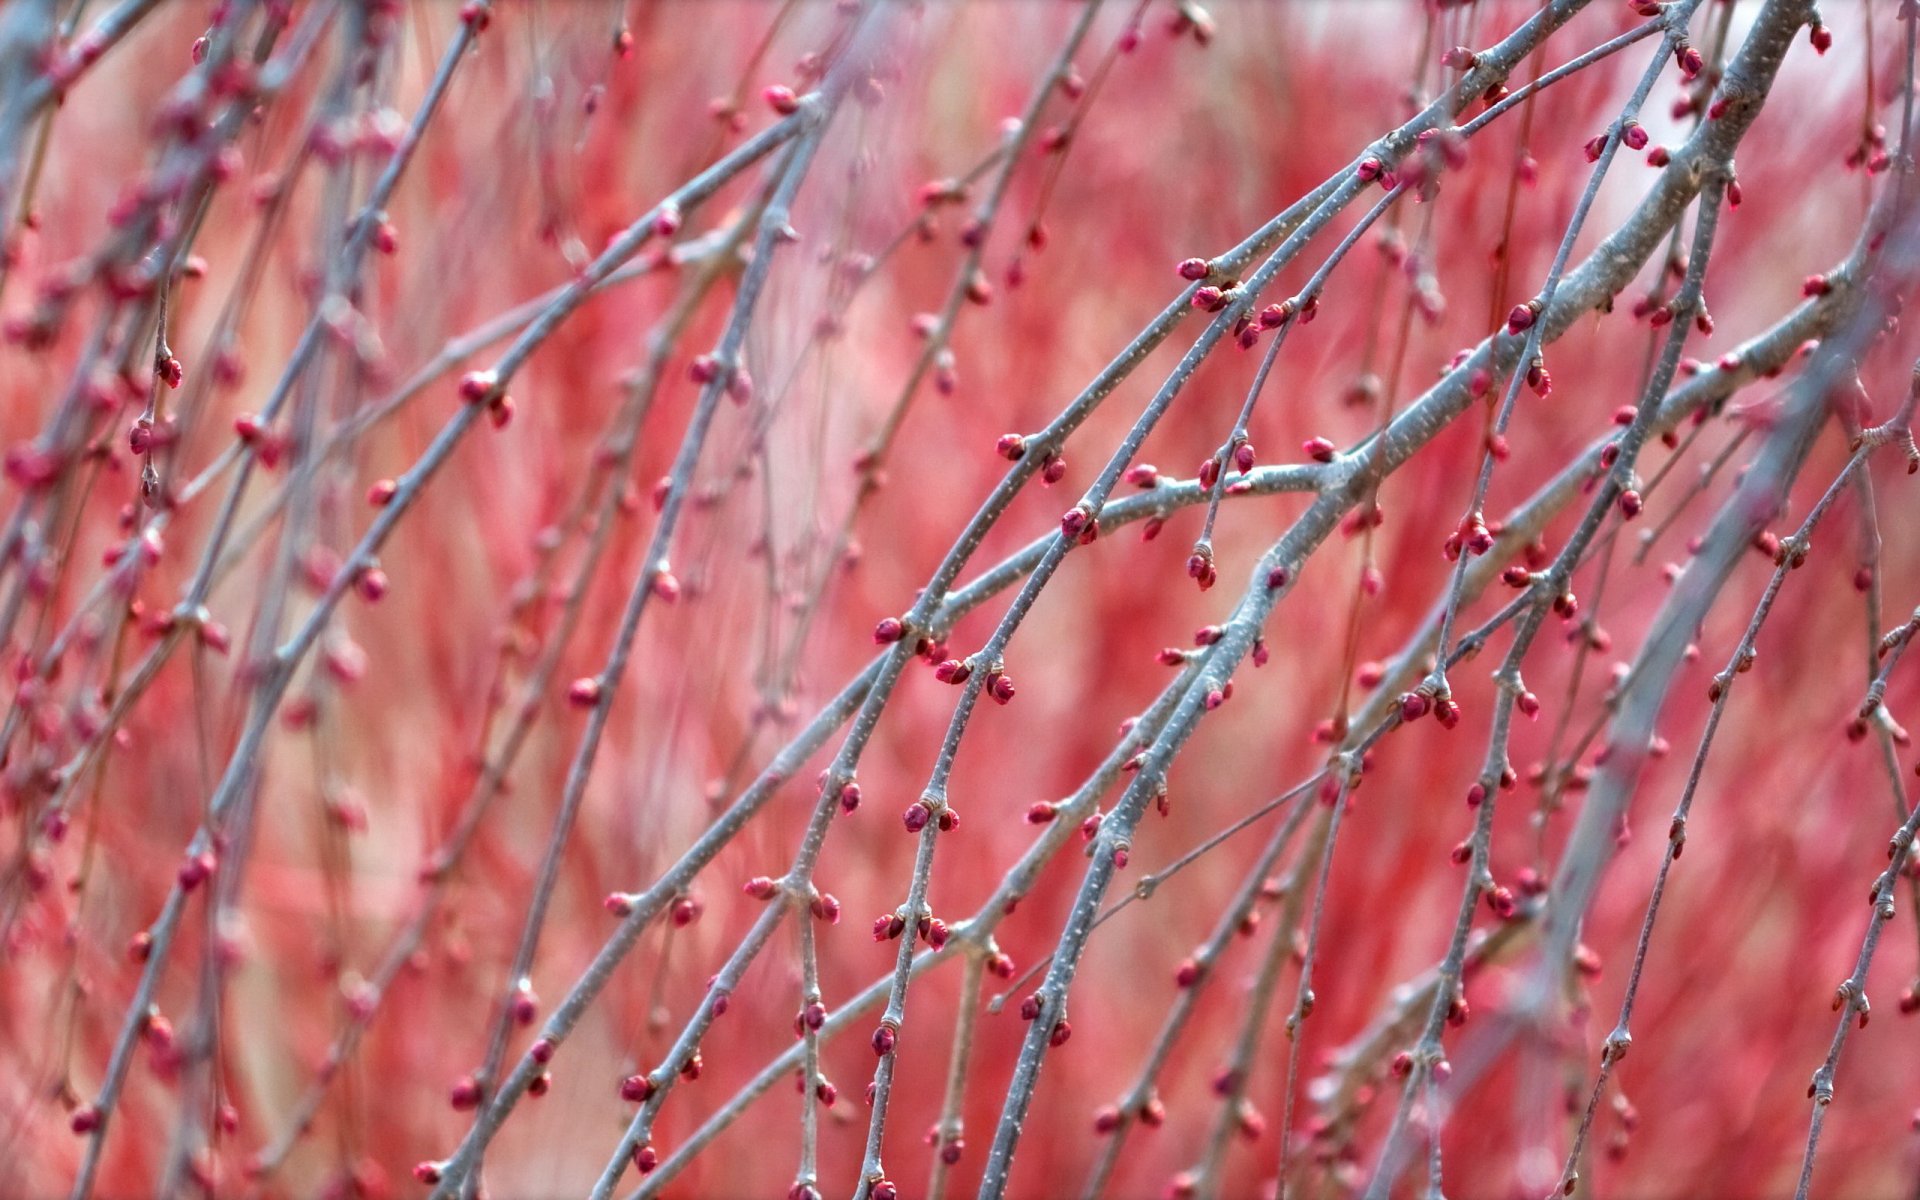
477, 386
1194, 269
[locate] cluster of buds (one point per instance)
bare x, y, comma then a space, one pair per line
483, 388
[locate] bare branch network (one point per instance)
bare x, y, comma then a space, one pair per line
585, 607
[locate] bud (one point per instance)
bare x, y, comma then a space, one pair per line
1521, 318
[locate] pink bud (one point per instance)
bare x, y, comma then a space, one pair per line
476, 387
1521, 318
